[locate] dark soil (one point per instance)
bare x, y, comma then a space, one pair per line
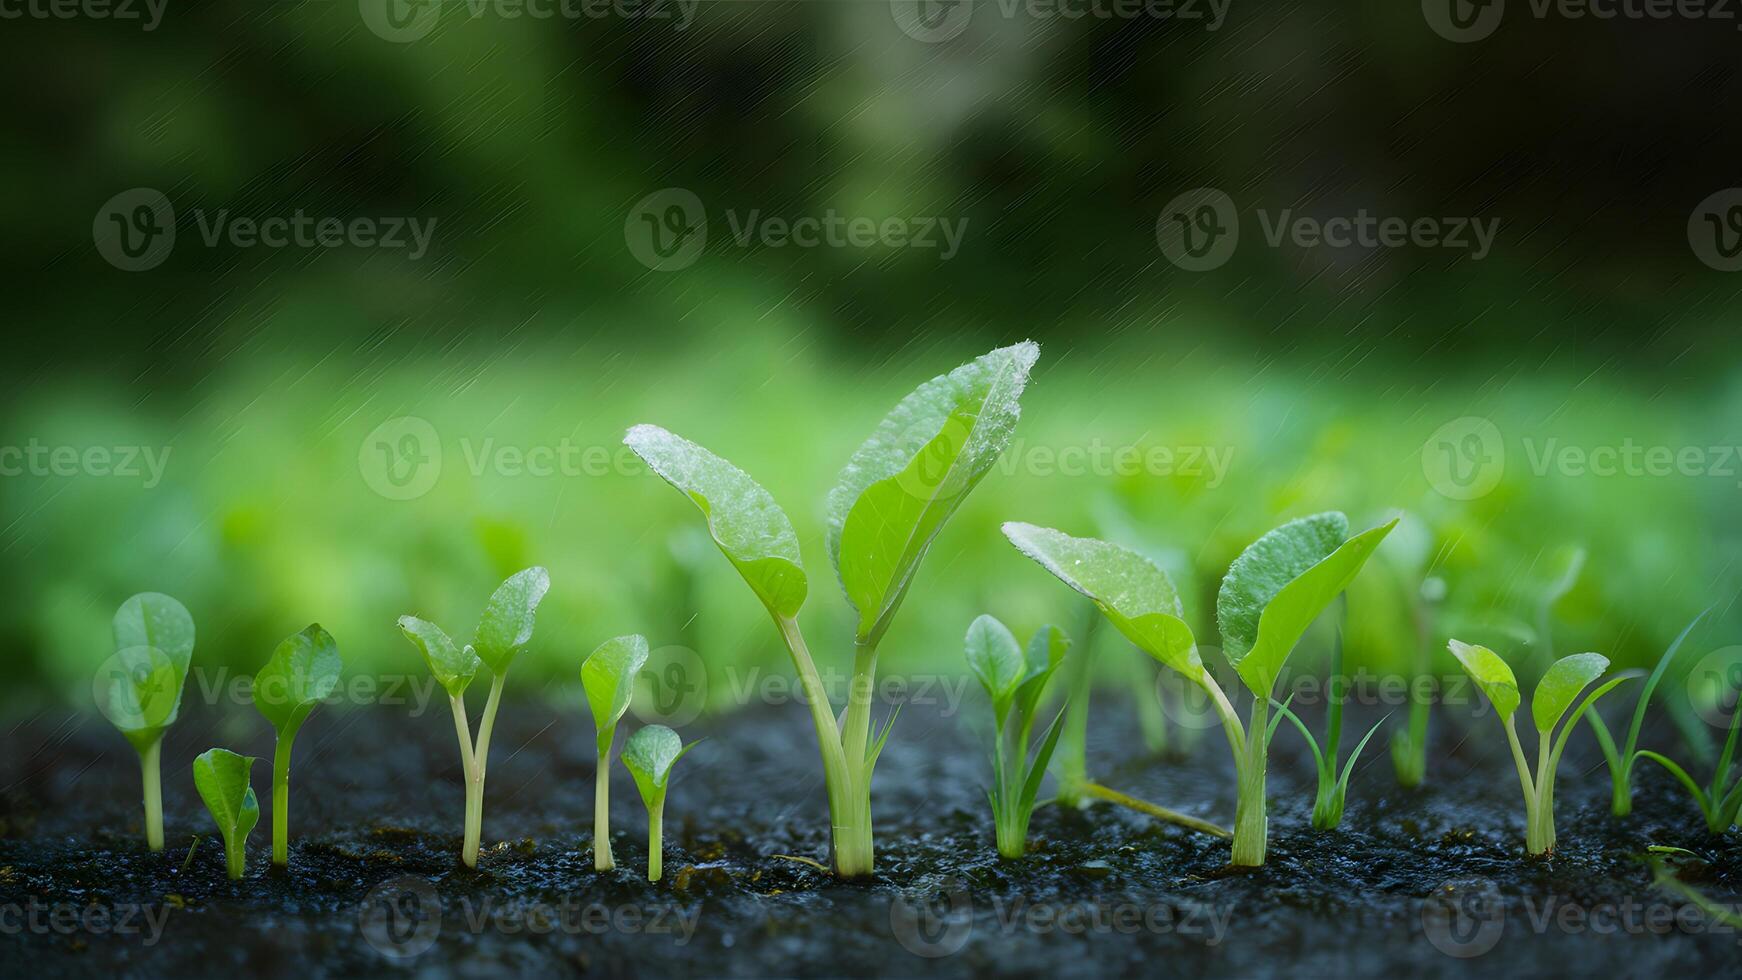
377, 805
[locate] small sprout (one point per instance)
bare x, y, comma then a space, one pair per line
139, 688
301, 674
1719, 801
1621, 760
608, 677
503, 631
224, 781
1555, 694
1015, 685
649, 756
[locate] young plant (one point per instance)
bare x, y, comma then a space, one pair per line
1070, 761
1333, 786
1555, 693
1015, 685
224, 780
894, 497
301, 674
139, 687
503, 631
1621, 760
649, 756
608, 677
1271, 594
1720, 801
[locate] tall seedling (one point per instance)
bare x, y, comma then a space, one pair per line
301, 674
893, 499
608, 677
139, 688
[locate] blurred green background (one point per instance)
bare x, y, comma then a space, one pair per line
1319, 376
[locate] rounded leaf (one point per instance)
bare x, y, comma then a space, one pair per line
139, 690
152, 619
452, 665
649, 756
608, 677
995, 657
1560, 687
301, 673
224, 781
506, 626
1490, 674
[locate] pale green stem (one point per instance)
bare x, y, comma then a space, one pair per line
1532, 803
151, 775
475, 778
655, 827
602, 857
474, 787
1539, 836
281, 796
235, 856
849, 808
1251, 825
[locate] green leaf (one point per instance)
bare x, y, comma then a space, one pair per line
1037, 766
453, 666
996, 659
152, 619
1135, 596
223, 779
914, 471
506, 626
1280, 584
1560, 686
1046, 651
139, 690
300, 675
1490, 674
608, 676
649, 756
745, 522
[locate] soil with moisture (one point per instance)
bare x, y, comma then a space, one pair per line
1424, 883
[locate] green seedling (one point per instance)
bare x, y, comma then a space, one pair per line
503, 631
1070, 760
224, 781
649, 756
892, 500
1555, 693
1333, 785
139, 688
608, 677
1271, 594
1721, 799
301, 674
1015, 684
1621, 760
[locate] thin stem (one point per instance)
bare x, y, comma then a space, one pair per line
1539, 838
1070, 763
1100, 792
602, 857
480, 760
1251, 825
856, 734
474, 786
655, 827
150, 773
849, 804
281, 795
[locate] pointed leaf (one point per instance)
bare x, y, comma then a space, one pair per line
1490, 674
300, 675
506, 626
1561, 684
608, 676
223, 779
1349, 766
649, 756
1280, 584
746, 523
152, 619
1046, 651
875, 749
996, 659
1037, 767
1135, 596
452, 665
914, 471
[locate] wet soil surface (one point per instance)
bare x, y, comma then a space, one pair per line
1424, 883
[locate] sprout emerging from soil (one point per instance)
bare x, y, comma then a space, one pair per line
649, 756
224, 781
1271, 594
1555, 694
503, 631
301, 674
608, 677
1015, 685
893, 499
1720, 801
139, 688
1621, 760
